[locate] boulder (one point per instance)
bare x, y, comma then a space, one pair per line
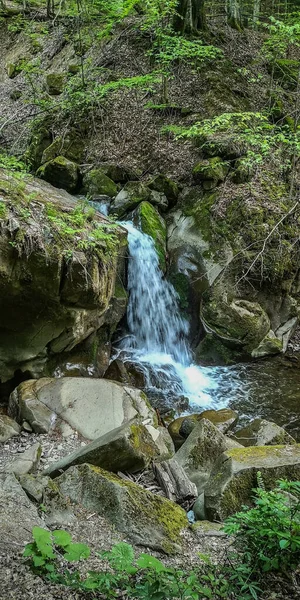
210, 172
234, 476
132, 194
129, 374
269, 345
71, 146
55, 83
118, 173
224, 145
168, 187
200, 451
93, 407
130, 447
17, 514
97, 183
144, 518
27, 462
179, 429
61, 172
239, 322
41, 315
147, 218
8, 428
263, 433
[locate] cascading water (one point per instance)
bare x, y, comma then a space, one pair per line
158, 334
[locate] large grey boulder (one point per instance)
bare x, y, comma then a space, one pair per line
145, 518
200, 450
8, 428
234, 476
131, 448
224, 419
263, 433
17, 514
93, 407
132, 194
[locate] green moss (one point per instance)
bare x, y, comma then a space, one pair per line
180, 282
153, 224
96, 183
142, 441
211, 350
61, 172
210, 172
55, 83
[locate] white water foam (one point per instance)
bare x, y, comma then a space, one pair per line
158, 334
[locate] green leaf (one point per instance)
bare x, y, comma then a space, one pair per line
62, 538
146, 561
29, 550
43, 540
77, 552
38, 561
284, 544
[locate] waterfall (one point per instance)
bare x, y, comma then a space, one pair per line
158, 333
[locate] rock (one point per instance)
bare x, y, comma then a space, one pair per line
224, 419
269, 345
148, 219
97, 183
210, 172
144, 518
263, 433
200, 450
8, 428
17, 514
129, 374
166, 186
242, 172
129, 197
61, 172
223, 145
234, 476
130, 448
117, 173
211, 351
93, 407
71, 146
132, 194
207, 529
242, 323
34, 486
27, 462
36, 323
55, 83
199, 509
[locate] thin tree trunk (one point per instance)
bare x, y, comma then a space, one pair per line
234, 17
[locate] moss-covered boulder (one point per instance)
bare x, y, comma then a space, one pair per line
61, 172
210, 172
55, 83
223, 145
166, 186
97, 183
269, 345
118, 173
200, 450
132, 194
147, 219
263, 433
42, 229
242, 172
242, 323
71, 146
234, 476
213, 351
145, 518
131, 447
40, 140
179, 429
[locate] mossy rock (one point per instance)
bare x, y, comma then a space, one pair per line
270, 345
242, 172
71, 146
61, 172
210, 172
148, 219
242, 323
117, 173
213, 351
234, 476
144, 518
132, 194
179, 429
222, 145
286, 71
55, 83
166, 186
263, 433
40, 140
96, 183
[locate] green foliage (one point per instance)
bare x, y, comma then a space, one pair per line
168, 49
282, 35
11, 163
47, 549
269, 534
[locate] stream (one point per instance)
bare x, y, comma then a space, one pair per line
156, 341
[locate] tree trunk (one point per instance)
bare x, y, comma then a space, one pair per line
234, 17
191, 16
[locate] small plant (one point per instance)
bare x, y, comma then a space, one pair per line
268, 535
